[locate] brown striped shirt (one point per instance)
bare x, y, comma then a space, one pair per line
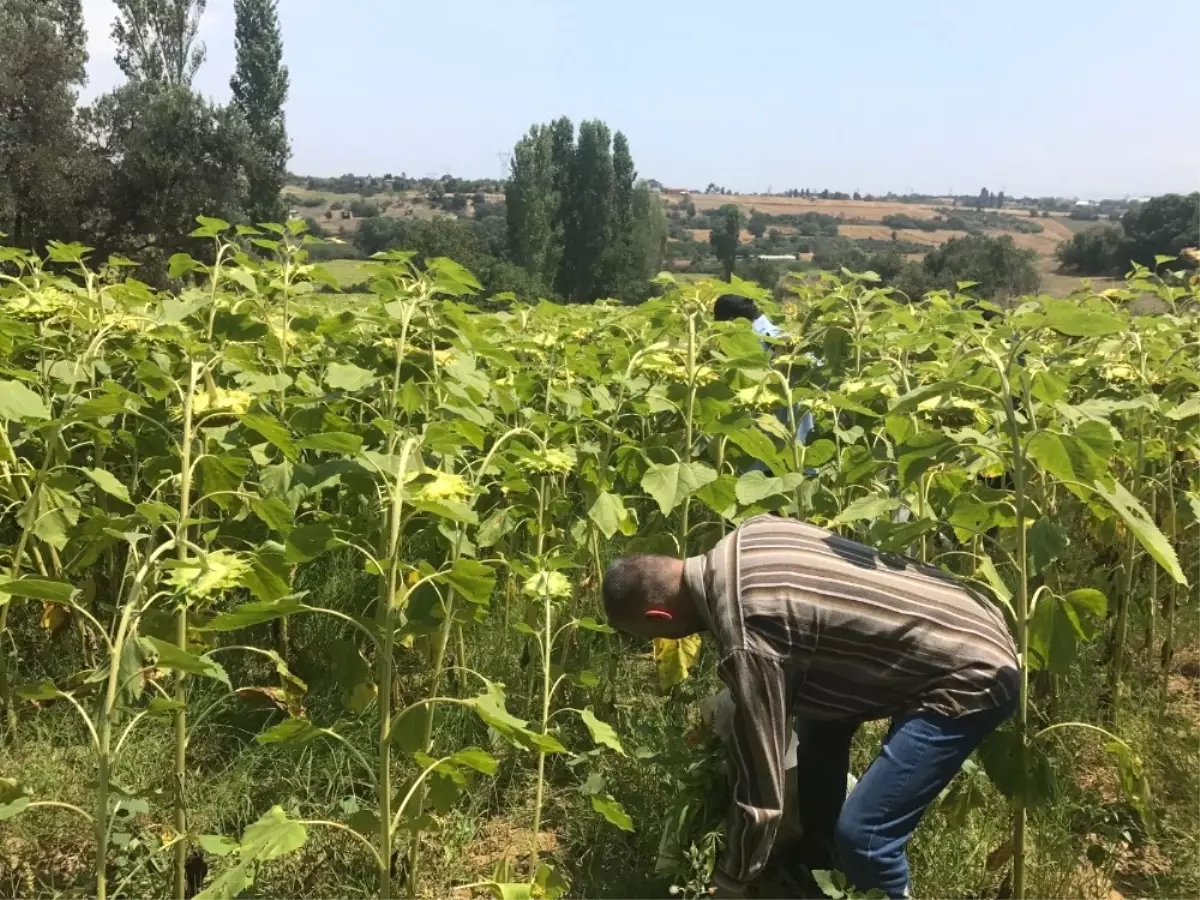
819, 626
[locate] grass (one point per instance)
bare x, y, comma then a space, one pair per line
348, 272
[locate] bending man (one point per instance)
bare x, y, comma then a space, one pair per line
816, 626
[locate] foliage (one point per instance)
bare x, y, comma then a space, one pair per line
726, 236
577, 218
181, 464
260, 89
42, 159
156, 40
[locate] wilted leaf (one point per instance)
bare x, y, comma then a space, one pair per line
675, 658
170, 656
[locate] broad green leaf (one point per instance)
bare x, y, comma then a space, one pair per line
476, 759
216, 844
1087, 608
108, 483
509, 890
610, 515
1053, 642
273, 430
987, 569
869, 508
1147, 533
601, 732
253, 613
825, 878
347, 377
19, 402
274, 512
331, 442
13, 808
1134, 782
171, 657
307, 542
408, 730
612, 811
1047, 541
272, 836
670, 485
1066, 317
473, 580
39, 690
720, 496
37, 589
1049, 452
587, 623
297, 730
1018, 771
755, 486
675, 658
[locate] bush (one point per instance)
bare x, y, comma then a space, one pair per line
363, 209
1096, 251
306, 202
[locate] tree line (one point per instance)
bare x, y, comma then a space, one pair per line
129, 173
1163, 226
578, 218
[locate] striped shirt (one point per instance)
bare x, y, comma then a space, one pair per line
819, 626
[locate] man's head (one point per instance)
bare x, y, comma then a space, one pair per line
731, 306
645, 595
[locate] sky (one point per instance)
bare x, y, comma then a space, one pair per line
1053, 97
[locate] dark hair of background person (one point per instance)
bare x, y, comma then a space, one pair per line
731, 306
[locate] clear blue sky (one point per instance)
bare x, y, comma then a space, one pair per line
1089, 99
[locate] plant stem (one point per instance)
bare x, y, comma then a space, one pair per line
547, 640
179, 714
1116, 669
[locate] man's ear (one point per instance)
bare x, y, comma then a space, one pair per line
659, 614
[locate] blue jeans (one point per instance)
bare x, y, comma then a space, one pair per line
865, 834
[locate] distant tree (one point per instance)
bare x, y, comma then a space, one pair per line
725, 237
589, 216
757, 225
985, 198
825, 194
156, 40
1162, 226
1000, 200
165, 155
363, 209
531, 204
43, 167
857, 196
260, 89
1102, 250
996, 263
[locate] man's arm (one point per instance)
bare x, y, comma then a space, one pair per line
759, 687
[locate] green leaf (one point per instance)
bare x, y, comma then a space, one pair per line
824, 880
13, 808
19, 402
755, 486
1134, 782
670, 485
408, 731
474, 758
868, 508
587, 623
473, 580
1053, 643
216, 844
720, 496
331, 442
273, 430
489, 706
171, 657
229, 884
273, 512
612, 811
296, 730
347, 377
1047, 540
1049, 452
39, 690
987, 569
1147, 533
254, 613
37, 589
1087, 608
610, 515
108, 483
1065, 317
601, 732
1017, 771
509, 890
307, 542
272, 836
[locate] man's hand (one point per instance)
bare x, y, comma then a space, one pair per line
719, 892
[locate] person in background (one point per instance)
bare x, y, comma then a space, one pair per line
816, 626
732, 306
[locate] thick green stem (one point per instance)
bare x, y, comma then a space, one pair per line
179, 715
546, 644
1152, 598
1116, 671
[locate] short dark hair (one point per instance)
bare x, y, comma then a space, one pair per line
628, 585
731, 306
